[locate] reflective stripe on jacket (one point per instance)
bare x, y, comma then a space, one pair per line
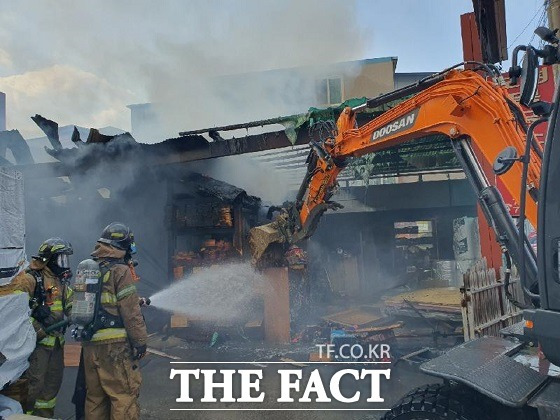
119, 298
26, 282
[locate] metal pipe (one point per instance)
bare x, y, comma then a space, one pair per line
521, 240
403, 92
496, 211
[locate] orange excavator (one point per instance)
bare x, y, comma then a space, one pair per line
472, 111
492, 141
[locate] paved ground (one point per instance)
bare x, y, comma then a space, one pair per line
159, 392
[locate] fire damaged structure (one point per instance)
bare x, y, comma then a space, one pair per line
187, 220
116, 177
183, 220
208, 224
388, 235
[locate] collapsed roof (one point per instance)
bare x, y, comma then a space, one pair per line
432, 153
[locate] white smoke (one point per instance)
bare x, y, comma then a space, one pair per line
107, 54
76, 96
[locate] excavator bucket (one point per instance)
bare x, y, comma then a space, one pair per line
284, 228
261, 237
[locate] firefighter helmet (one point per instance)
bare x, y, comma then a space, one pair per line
119, 236
54, 253
54, 246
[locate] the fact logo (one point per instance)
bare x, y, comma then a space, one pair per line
294, 385
396, 126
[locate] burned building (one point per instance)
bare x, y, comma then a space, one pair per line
396, 228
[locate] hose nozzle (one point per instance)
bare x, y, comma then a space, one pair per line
145, 301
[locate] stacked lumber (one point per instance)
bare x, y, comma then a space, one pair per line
359, 317
444, 299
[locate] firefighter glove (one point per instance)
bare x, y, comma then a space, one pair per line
41, 334
139, 352
41, 312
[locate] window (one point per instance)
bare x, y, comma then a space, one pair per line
335, 91
329, 91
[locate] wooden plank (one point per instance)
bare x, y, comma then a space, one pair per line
162, 354
352, 317
277, 305
179, 321
471, 42
464, 305
396, 325
72, 354
316, 357
437, 296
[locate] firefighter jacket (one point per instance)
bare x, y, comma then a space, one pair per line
119, 298
58, 297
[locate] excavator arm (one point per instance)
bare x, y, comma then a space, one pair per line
474, 113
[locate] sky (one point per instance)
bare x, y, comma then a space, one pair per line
81, 62
426, 35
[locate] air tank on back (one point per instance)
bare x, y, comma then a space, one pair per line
85, 287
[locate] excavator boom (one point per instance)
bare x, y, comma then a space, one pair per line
477, 116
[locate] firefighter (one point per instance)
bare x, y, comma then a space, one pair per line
110, 357
50, 298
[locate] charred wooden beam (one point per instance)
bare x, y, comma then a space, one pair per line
491, 25
260, 123
172, 151
235, 146
50, 128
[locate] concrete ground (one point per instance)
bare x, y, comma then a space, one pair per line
158, 392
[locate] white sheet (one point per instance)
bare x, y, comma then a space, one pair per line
9, 406
12, 261
17, 336
12, 222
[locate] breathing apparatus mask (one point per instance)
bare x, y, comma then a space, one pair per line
59, 264
55, 254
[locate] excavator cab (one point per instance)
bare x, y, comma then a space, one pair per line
543, 323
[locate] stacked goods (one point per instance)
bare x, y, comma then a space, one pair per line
466, 242
225, 217
187, 258
215, 251
199, 214
211, 252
